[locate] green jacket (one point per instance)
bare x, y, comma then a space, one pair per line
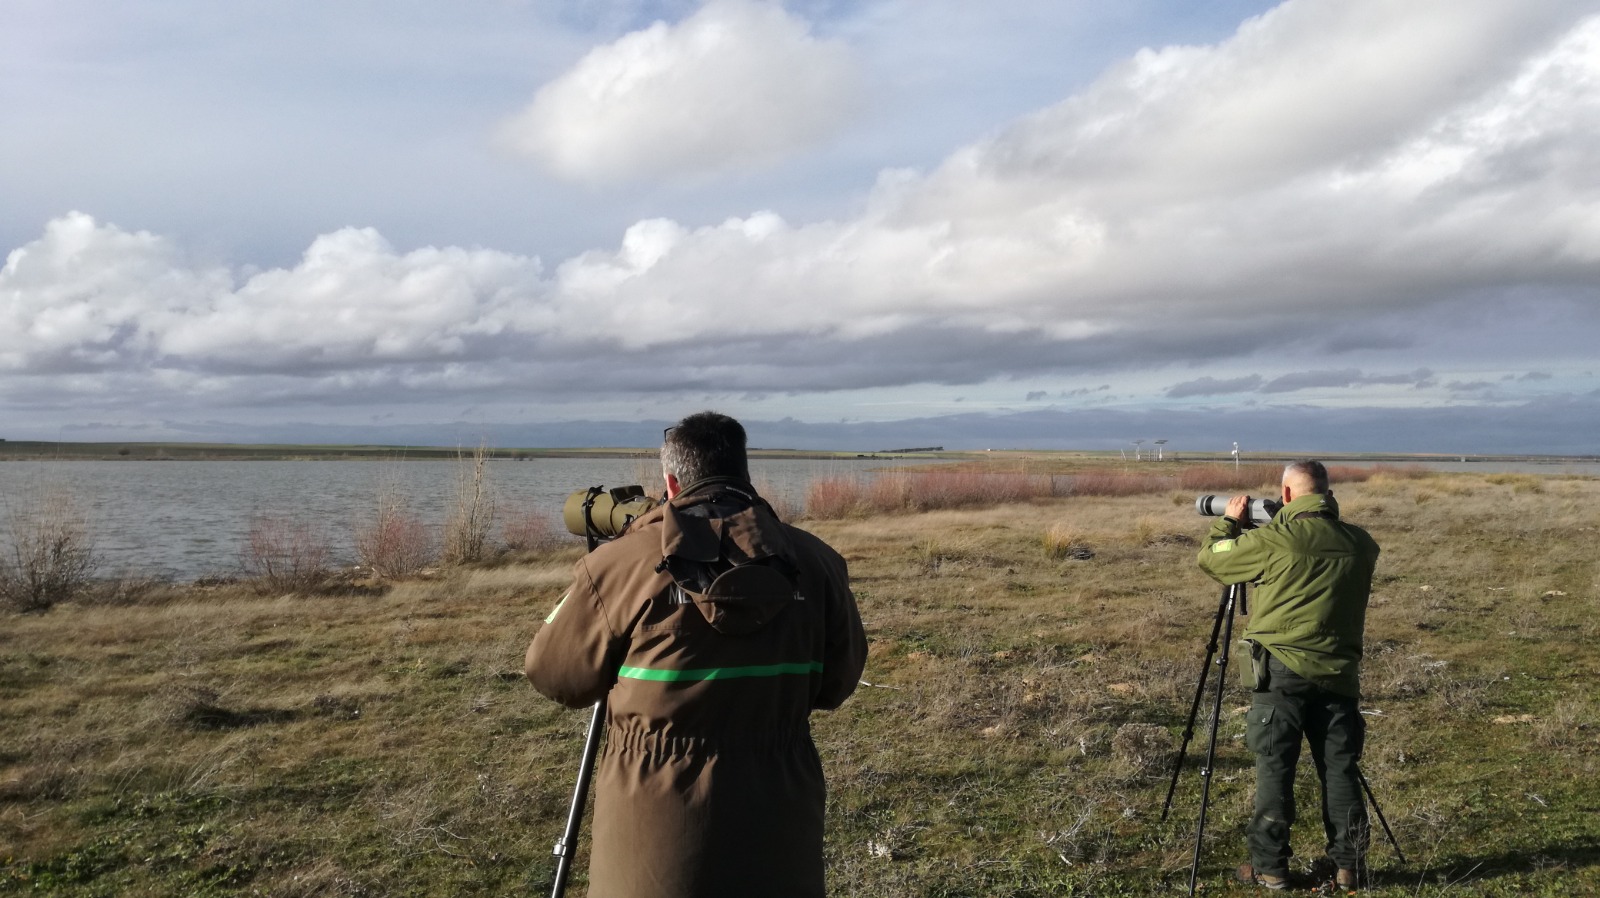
1313, 576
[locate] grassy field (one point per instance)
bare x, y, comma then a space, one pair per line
1031, 669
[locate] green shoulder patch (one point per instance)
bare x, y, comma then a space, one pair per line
1223, 546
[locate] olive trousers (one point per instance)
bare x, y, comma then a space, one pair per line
1284, 709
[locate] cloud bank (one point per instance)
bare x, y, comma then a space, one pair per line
1340, 176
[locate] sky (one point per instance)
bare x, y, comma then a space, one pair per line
1314, 225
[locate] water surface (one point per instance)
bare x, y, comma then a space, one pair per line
188, 519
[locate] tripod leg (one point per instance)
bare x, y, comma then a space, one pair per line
1234, 592
1194, 707
567, 847
1373, 800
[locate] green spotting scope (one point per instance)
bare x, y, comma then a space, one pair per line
599, 513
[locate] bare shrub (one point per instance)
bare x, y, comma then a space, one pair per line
48, 555
285, 553
466, 532
525, 529
394, 544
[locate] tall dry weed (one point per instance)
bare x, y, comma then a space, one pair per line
471, 521
48, 555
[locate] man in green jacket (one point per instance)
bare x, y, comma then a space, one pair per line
1313, 574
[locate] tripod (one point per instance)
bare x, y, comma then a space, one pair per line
567, 846
1233, 598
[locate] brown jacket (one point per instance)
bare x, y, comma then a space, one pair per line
708, 784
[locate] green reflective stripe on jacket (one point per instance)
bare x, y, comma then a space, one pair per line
719, 673
556, 610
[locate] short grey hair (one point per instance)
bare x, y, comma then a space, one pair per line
1309, 469
705, 444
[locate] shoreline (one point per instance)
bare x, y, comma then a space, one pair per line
42, 450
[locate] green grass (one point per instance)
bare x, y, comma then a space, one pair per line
224, 743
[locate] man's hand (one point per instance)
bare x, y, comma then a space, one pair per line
1238, 509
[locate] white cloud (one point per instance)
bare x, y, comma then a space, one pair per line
83, 297
738, 84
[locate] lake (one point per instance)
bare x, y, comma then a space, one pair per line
189, 519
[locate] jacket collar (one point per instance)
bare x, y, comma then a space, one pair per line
1309, 502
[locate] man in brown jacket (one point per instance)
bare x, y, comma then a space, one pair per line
714, 629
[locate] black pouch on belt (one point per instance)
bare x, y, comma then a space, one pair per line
1256, 674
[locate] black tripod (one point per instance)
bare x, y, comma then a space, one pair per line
1233, 598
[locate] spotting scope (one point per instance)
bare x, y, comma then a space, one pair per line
599, 513
1261, 510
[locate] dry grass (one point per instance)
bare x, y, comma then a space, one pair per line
1015, 740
